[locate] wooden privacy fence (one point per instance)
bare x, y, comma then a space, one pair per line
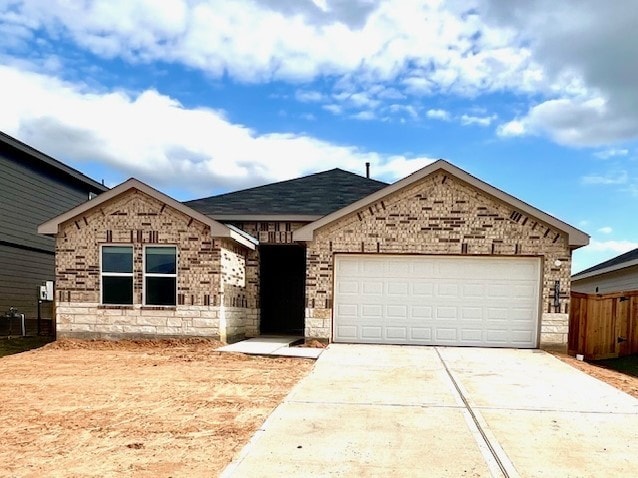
603, 326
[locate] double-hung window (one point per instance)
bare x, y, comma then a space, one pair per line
117, 275
160, 275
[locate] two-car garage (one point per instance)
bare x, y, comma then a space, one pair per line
437, 300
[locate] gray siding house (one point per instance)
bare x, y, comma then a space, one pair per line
33, 188
618, 274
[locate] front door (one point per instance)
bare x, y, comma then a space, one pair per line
282, 288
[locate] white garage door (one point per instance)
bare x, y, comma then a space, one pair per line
436, 300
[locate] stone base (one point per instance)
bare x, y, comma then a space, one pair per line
90, 320
554, 329
127, 336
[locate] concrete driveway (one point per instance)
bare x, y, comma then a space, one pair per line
377, 410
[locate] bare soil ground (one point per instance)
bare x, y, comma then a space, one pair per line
144, 409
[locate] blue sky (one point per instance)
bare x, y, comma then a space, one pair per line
197, 98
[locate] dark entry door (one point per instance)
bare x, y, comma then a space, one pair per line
282, 291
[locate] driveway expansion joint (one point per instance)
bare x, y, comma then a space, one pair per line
505, 466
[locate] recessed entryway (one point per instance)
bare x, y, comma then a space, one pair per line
282, 289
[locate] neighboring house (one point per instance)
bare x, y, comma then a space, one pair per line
615, 275
438, 258
33, 188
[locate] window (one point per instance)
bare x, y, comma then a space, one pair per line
117, 275
160, 275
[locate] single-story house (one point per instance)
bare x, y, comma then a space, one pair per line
437, 258
618, 274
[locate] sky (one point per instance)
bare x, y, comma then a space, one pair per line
198, 97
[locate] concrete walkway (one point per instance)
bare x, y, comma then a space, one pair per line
368, 410
278, 345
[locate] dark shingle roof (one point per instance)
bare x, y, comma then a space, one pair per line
615, 261
316, 195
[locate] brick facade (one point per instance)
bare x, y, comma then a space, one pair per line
439, 214
215, 295
271, 232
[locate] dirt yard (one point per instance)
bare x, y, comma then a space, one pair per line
158, 409
626, 383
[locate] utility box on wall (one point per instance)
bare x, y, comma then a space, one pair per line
46, 291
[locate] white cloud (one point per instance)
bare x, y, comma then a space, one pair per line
618, 247
438, 114
432, 46
155, 138
617, 177
605, 230
364, 115
467, 120
308, 96
574, 122
587, 54
576, 58
511, 128
611, 153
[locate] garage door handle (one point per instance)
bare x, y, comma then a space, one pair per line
621, 340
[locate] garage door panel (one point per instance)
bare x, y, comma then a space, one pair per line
371, 332
422, 289
446, 313
472, 313
487, 301
473, 291
421, 334
398, 268
447, 290
396, 333
348, 287
372, 311
421, 312
399, 288
346, 332
372, 288
442, 334
397, 311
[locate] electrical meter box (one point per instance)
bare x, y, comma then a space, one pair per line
46, 291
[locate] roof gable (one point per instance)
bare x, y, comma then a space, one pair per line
577, 238
218, 229
622, 261
308, 197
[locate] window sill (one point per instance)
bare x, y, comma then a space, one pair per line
158, 307
116, 307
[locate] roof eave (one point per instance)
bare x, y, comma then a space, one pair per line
606, 270
52, 162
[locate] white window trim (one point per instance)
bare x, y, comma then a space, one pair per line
117, 274
145, 274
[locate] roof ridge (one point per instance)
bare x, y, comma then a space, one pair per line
253, 188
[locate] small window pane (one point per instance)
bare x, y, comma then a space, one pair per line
117, 259
160, 290
117, 290
161, 260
